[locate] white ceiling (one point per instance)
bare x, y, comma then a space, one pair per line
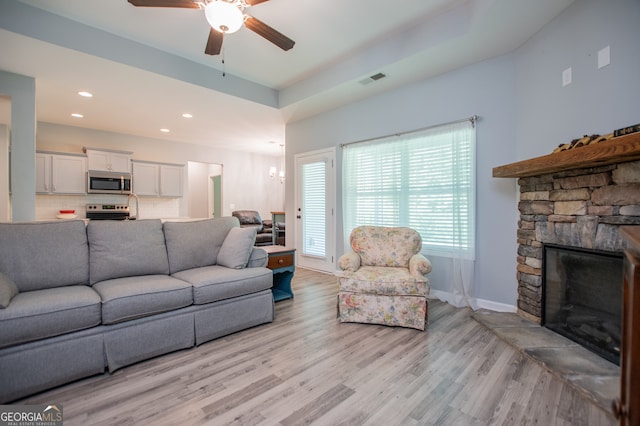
338, 45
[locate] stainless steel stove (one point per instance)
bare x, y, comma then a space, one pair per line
107, 211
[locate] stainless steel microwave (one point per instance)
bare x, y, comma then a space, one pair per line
99, 182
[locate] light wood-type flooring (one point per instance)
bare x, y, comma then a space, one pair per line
306, 367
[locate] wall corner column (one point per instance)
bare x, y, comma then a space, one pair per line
22, 91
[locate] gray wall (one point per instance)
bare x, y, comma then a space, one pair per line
485, 89
22, 91
524, 112
5, 210
598, 100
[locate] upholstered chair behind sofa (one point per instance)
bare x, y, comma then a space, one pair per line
383, 279
251, 218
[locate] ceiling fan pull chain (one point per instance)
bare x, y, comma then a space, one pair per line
224, 74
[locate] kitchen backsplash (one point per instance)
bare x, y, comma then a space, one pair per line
48, 206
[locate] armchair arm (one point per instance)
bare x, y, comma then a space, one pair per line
349, 261
419, 265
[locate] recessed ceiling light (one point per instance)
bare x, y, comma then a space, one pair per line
187, 115
85, 94
165, 130
76, 115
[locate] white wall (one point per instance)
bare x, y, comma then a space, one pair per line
524, 112
246, 182
199, 179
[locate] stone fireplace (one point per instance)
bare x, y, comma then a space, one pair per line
582, 208
574, 199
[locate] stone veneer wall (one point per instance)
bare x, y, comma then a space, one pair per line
579, 208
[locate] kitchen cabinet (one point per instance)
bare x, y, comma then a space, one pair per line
109, 160
157, 179
43, 173
171, 178
60, 173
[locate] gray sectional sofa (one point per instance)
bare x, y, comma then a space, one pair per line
80, 299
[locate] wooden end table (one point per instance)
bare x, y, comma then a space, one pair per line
282, 263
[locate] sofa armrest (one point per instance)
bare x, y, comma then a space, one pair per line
349, 261
419, 265
258, 258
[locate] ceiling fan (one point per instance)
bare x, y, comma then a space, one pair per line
225, 17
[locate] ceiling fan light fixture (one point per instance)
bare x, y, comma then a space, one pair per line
223, 16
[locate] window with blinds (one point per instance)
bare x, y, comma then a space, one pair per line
424, 180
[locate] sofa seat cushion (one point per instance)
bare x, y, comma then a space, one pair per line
127, 298
383, 280
213, 283
40, 314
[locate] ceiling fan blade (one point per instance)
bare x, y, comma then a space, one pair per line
214, 43
254, 2
165, 3
275, 37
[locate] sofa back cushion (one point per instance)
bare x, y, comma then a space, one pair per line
126, 248
196, 244
39, 255
385, 246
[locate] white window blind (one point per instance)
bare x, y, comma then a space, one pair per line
424, 180
313, 208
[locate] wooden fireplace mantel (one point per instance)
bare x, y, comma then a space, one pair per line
616, 150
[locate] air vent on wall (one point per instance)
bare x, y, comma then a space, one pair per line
372, 78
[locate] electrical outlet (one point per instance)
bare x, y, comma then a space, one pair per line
566, 77
604, 57
232, 206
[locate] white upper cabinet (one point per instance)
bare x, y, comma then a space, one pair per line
145, 179
171, 180
157, 179
43, 173
60, 173
109, 161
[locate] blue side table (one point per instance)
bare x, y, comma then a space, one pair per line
282, 263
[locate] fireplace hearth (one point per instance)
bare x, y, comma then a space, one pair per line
582, 297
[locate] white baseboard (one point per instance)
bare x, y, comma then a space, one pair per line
495, 306
480, 303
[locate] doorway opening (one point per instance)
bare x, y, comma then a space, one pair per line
205, 189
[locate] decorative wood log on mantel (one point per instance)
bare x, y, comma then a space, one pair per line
616, 150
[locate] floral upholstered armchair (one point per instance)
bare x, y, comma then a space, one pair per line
383, 279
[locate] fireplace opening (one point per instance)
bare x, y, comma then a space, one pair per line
582, 297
